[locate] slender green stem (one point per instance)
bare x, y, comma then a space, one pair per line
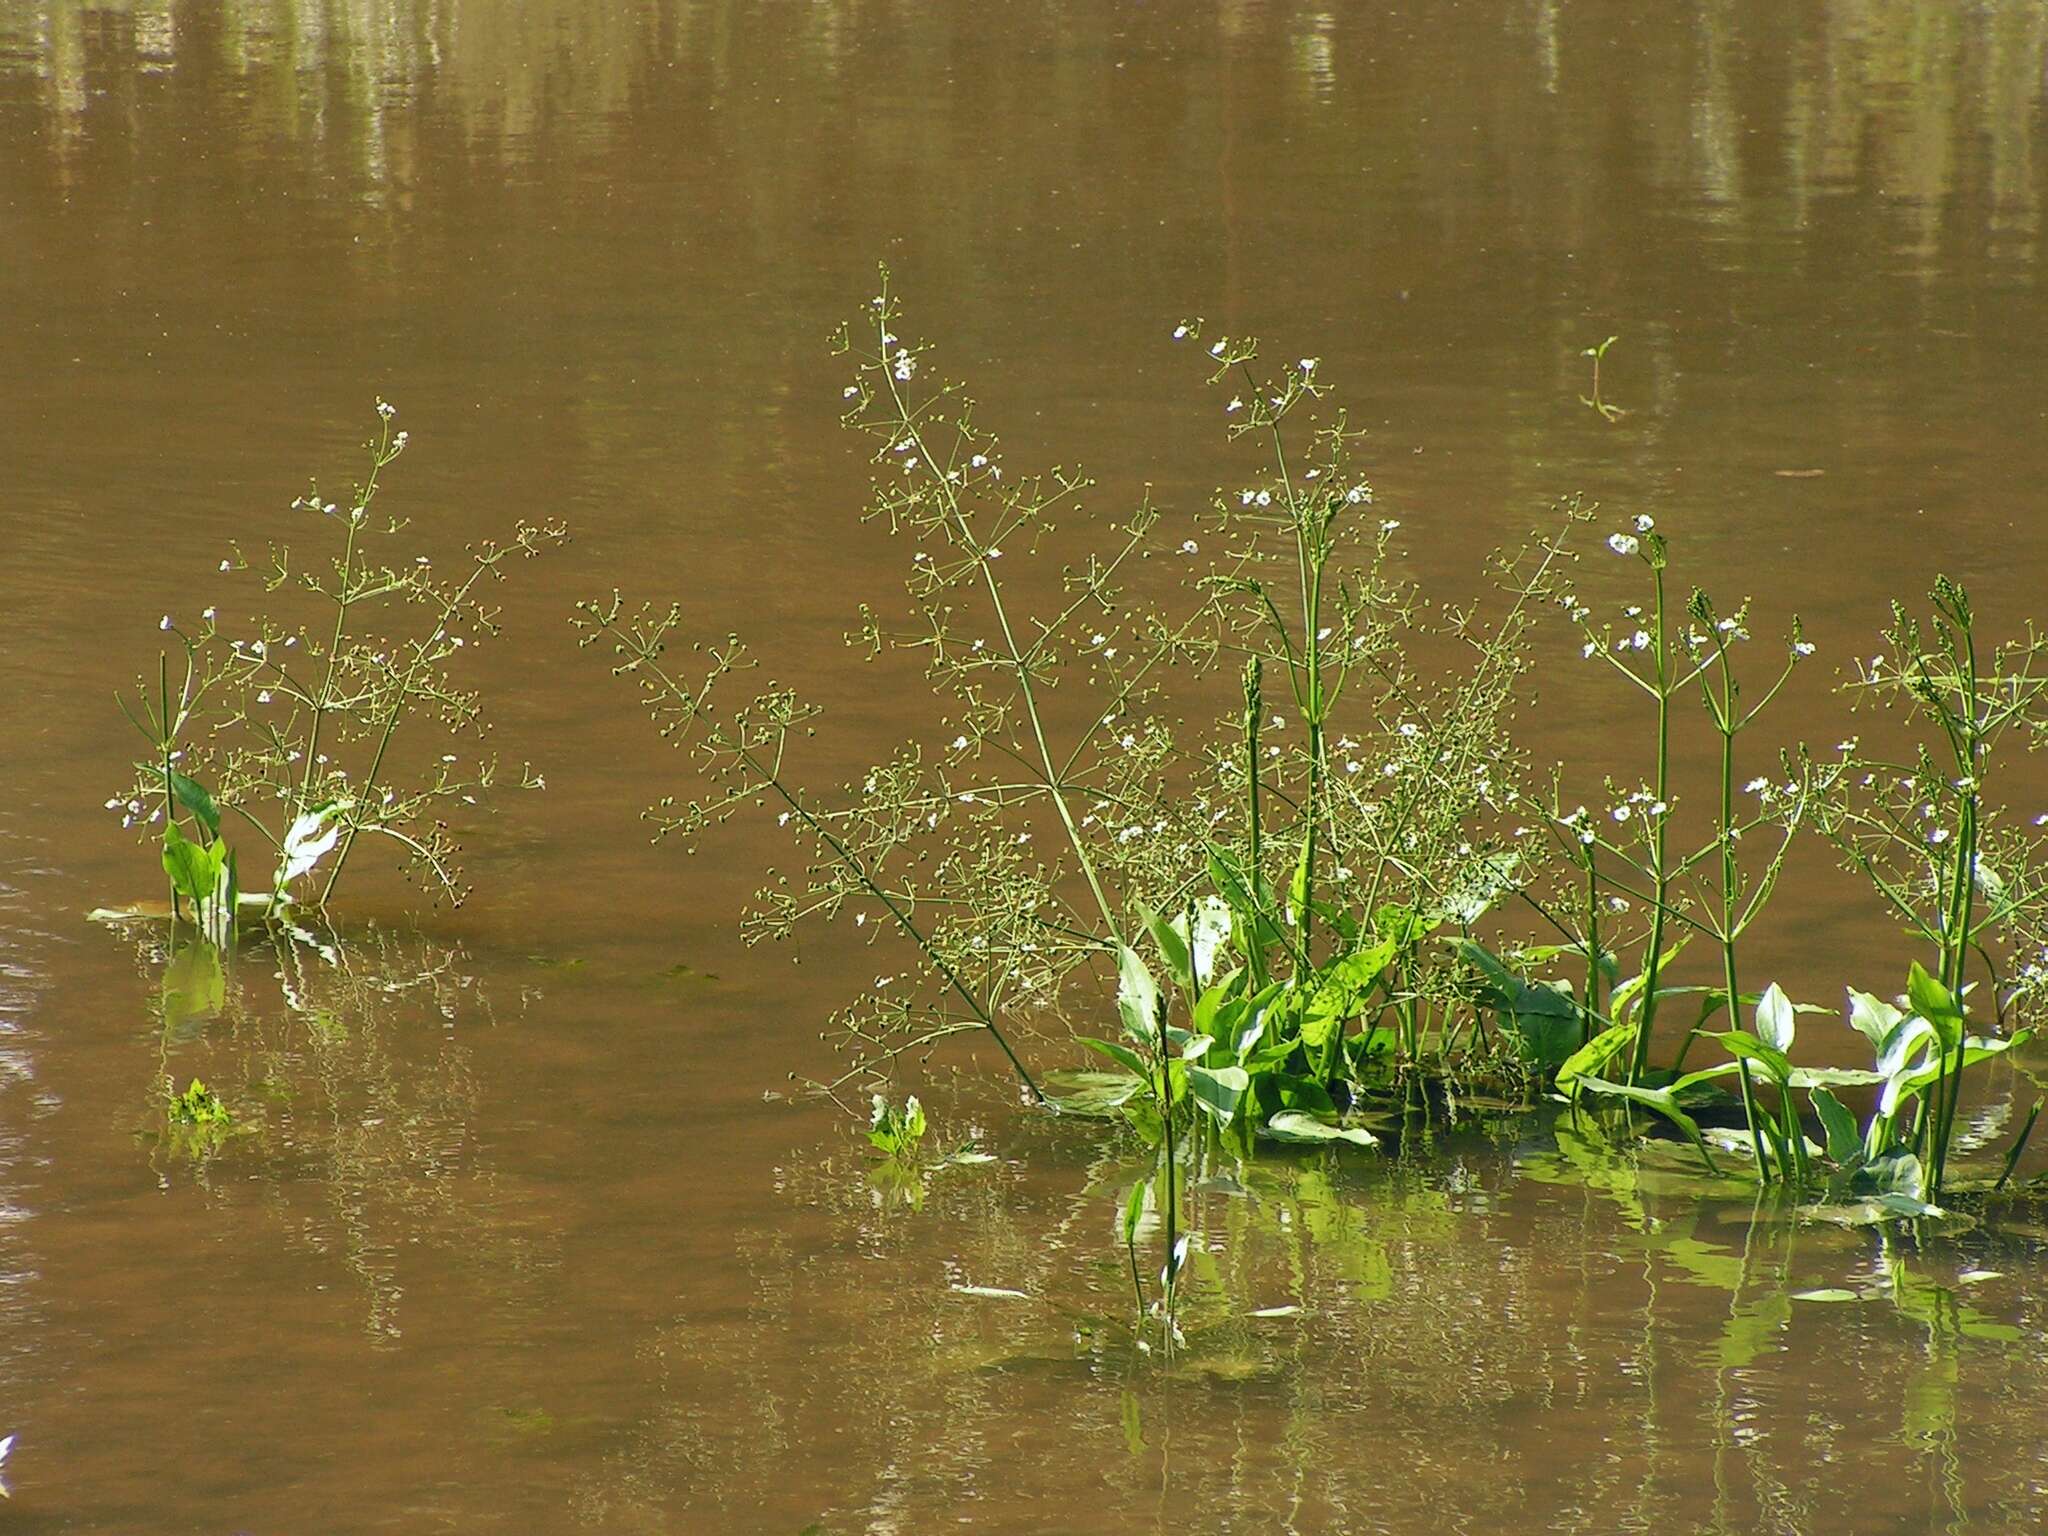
1755, 1122
769, 775
1646, 1008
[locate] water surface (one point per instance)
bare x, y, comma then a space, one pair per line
526, 1235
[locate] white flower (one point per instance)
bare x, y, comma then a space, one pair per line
263, 697
1180, 332
994, 553
1621, 813
905, 365
1640, 640
1389, 524
959, 743
224, 565
1188, 546
1589, 648
1308, 364
1622, 543
1645, 522
1236, 404
1216, 350
1264, 498
979, 461
1802, 647
164, 622
1757, 786
849, 392
207, 614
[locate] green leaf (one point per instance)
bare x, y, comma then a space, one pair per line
1741, 1043
1845, 1141
1137, 997
1219, 1090
1775, 1019
1209, 933
1402, 925
1134, 1212
1937, 1005
1296, 1126
1662, 1101
1122, 1055
1872, 1017
1896, 1173
1625, 995
188, 864
1544, 1020
1173, 948
1093, 1095
1594, 1054
191, 795
1543, 954
1833, 1077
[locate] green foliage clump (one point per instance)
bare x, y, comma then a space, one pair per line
297, 727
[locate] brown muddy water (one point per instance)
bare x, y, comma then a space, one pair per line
525, 1236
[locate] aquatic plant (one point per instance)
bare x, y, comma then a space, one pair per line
1337, 838
300, 727
897, 1132
1607, 413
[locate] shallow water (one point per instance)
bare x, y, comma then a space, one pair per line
524, 1233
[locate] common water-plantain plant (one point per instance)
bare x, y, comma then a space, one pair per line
300, 729
1344, 826
1895, 1163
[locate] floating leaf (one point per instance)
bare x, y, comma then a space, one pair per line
1095, 1095
1830, 1293
1295, 1125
